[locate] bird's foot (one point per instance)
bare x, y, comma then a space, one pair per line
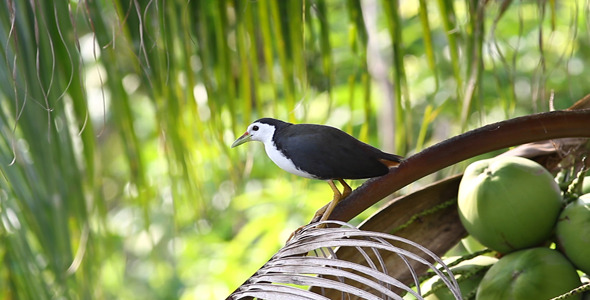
319, 215
298, 230
294, 233
324, 213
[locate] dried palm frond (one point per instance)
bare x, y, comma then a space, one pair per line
309, 260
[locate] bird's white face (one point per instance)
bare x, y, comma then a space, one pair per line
256, 132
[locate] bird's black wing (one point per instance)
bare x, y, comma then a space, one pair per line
329, 153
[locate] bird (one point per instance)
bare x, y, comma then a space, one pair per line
319, 152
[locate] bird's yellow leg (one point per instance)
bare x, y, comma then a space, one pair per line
324, 213
337, 197
347, 190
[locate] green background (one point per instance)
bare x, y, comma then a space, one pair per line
116, 176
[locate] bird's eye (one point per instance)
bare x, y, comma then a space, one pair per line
255, 128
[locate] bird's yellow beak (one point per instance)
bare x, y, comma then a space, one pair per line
246, 137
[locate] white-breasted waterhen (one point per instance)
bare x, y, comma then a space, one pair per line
319, 152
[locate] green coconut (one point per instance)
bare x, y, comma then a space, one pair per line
537, 273
508, 203
573, 232
468, 275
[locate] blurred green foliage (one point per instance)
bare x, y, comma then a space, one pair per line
116, 117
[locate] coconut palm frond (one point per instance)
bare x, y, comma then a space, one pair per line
310, 260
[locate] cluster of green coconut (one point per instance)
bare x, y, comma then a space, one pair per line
540, 233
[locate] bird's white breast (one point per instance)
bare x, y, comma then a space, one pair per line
282, 161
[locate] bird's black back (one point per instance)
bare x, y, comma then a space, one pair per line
327, 152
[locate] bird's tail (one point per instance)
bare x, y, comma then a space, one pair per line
391, 160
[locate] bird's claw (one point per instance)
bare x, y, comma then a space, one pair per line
298, 230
